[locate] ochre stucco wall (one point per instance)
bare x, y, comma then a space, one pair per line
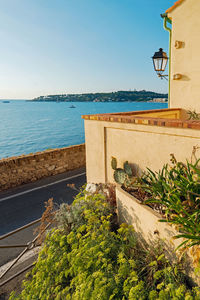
185, 93
173, 114
148, 228
144, 220
142, 145
18, 170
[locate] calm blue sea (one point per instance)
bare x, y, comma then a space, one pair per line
27, 127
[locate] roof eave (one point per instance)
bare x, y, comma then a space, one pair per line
176, 4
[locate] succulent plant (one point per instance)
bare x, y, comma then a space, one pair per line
193, 115
114, 163
122, 176
127, 169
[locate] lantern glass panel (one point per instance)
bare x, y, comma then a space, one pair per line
164, 64
157, 64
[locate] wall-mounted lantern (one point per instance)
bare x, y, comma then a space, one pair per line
160, 60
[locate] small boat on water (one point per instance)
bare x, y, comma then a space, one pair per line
6, 101
72, 106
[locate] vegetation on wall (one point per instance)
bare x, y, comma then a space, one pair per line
173, 191
88, 256
193, 115
176, 189
123, 176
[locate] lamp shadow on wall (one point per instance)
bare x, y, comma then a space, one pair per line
180, 77
185, 78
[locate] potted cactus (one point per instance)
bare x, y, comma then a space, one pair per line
124, 176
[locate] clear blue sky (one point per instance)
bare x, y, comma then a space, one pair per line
77, 46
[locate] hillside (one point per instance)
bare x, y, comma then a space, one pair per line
120, 96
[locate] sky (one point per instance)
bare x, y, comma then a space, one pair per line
79, 46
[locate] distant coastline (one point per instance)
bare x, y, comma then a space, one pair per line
120, 96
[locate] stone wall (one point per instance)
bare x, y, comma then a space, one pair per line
18, 170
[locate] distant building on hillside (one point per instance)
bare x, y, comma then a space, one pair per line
162, 100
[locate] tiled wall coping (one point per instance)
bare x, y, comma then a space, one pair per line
139, 112
131, 117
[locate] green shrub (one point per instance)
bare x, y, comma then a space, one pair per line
176, 192
193, 115
88, 258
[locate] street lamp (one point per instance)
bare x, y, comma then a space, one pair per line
160, 62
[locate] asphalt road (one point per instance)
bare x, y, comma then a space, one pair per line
25, 204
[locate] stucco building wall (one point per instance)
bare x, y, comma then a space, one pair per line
185, 92
142, 145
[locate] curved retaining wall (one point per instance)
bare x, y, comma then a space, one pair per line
22, 169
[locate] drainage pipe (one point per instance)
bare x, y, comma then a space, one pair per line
165, 21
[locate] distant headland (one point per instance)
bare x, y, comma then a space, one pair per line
120, 96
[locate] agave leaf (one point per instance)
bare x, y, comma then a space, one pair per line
152, 173
148, 201
188, 236
181, 245
196, 163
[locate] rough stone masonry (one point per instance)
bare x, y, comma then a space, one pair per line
18, 170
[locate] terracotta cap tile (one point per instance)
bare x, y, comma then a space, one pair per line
177, 3
144, 120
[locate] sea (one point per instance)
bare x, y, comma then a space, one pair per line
28, 127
